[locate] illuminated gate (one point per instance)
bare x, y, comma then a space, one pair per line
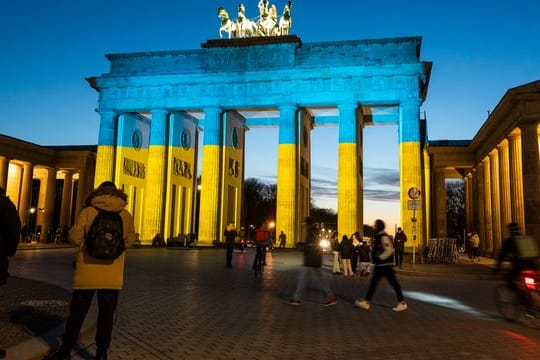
153, 104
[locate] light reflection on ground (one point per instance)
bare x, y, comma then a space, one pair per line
442, 301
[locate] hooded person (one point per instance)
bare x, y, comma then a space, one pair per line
91, 274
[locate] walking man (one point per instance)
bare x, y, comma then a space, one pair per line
381, 255
10, 232
93, 271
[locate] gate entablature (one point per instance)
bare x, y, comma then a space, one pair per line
263, 72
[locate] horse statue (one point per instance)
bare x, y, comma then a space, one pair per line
244, 26
227, 24
285, 21
267, 24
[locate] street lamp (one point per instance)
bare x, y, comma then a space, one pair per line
31, 223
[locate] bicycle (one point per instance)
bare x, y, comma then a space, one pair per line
522, 304
258, 263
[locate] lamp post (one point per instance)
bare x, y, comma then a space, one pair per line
31, 222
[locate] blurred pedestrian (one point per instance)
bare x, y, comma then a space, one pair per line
475, 246
312, 267
282, 240
399, 246
230, 236
381, 255
345, 252
335, 252
93, 273
365, 258
10, 233
355, 239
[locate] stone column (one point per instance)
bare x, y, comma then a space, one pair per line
486, 244
210, 177
410, 169
26, 194
287, 174
50, 193
504, 179
480, 201
106, 152
467, 180
531, 178
349, 172
516, 179
82, 190
440, 202
154, 188
495, 201
4, 172
67, 195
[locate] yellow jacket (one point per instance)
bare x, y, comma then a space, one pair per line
91, 273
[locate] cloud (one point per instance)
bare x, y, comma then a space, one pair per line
380, 184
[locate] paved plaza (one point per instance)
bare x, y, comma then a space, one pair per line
185, 304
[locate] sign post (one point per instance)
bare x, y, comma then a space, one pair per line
414, 193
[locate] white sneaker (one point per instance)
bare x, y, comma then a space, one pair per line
402, 306
363, 304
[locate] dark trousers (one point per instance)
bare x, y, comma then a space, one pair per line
80, 303
230, 249
399, 257
386, 271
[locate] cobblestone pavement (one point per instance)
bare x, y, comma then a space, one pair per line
181, 304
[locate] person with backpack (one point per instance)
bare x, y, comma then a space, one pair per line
10, 232
382, 255
102, 231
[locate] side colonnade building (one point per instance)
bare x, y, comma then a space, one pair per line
154, 104
47, 184
500, 168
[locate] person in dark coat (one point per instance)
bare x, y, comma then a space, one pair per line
230, 235
10, 232
312, 267
399, 246
355, 239
381, 255
346, 252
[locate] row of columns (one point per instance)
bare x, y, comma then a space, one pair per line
504, 187
20, 191
350, 175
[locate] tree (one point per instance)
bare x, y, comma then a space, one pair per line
259, 202
455, 208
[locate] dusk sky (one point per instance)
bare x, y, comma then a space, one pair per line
479, 50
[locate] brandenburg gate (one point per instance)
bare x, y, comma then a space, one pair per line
154, 104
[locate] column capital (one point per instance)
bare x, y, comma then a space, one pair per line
159, 112
348, 106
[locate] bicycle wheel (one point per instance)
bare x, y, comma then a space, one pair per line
507, 303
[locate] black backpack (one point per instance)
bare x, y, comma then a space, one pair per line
105, 238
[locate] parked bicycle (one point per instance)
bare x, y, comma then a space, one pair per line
521, 304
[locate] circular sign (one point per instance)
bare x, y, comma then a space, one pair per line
186, 139
234, 138
414, 193
136, 139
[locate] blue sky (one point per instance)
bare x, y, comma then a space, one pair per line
479, 49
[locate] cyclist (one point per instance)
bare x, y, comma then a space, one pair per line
522, 252
261, 241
